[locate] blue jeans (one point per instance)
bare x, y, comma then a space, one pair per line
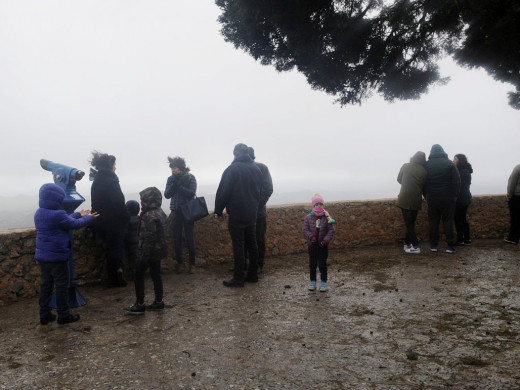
54, 274
178, 224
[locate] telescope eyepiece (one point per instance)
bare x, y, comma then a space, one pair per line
79, 175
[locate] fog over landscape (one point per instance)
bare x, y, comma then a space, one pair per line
144, 81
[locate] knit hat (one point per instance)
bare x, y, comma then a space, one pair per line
317, 198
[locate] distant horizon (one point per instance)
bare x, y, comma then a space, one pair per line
16, 211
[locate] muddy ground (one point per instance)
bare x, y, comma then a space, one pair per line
390, 321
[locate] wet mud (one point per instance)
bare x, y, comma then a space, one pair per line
389, 321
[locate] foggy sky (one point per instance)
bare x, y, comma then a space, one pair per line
146, 80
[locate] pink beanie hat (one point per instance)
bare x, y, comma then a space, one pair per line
317, 198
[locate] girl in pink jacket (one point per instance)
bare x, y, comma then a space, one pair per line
318, 229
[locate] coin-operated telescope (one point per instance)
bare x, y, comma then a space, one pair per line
66, 178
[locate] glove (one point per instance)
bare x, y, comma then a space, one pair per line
323, 243
314, 241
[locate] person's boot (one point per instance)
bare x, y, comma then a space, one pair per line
233, 283
67, 320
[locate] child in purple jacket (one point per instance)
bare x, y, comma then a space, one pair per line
318, 229
53, 245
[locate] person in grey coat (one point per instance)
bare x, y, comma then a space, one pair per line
412, 177
442, 188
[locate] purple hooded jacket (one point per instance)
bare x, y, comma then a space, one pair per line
327, 230
53, 225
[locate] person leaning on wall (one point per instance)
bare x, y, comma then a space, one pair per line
181, 187
463, 200
513, 201
108, 200
412, 177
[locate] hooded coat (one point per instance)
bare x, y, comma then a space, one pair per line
152, 237
443, 180
412, 178
53, 241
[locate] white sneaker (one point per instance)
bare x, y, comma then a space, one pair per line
406, 246
413, 250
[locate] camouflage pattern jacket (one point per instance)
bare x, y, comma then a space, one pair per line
152, 236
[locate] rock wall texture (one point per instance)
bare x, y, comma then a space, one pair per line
358, 223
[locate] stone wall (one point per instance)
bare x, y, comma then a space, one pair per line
358, 223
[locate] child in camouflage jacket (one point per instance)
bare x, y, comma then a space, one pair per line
152, 248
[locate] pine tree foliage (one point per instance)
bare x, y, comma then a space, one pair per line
353, 48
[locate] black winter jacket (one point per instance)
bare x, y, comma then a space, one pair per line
108, 200
465, 172
239, 191
443, 179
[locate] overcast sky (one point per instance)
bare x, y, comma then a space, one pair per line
144, 80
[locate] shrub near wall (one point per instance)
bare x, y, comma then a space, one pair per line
359, 223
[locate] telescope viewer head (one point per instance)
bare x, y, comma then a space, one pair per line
62, 174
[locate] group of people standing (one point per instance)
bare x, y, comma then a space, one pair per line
244, 190
446, 186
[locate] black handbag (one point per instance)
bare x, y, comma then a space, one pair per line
195, 209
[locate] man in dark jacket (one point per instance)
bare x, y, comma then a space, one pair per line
442, 188
239, 193
261, 216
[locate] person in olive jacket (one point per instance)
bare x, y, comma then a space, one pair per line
412, 178
463, 200
442, 189
108, 200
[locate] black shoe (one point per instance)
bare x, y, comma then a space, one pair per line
252, 278
67, 320
509, 241
45, 320
460, 243
233, 283
468, 242
135, 309
155, 306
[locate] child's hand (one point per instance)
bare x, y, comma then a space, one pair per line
314, 241
94, 215
323, 243
84, 212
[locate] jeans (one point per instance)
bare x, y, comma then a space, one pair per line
318, 258
461, 223
178, 224
54, 274
440, 209
409, 217
155, 272
242, 237
514, 213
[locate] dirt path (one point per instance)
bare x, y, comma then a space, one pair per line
389, 321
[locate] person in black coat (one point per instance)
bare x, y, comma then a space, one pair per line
239, 193
463, 200
442, 189
108, 200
